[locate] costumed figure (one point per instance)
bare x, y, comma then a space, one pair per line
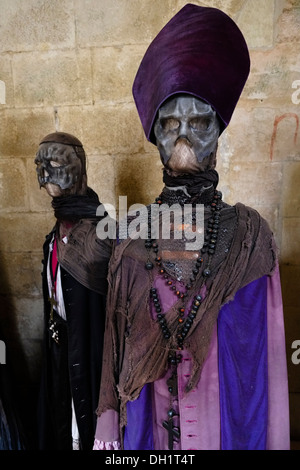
194, 343
74, 289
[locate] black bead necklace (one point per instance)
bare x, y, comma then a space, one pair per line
209, 247
185, 318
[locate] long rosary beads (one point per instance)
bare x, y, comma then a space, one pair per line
185, 318
52, 325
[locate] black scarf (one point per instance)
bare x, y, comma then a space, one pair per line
75, 207
200, 186
194, 183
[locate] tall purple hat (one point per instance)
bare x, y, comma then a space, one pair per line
201, 52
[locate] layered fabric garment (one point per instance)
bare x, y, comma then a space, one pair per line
232, 374
75, 284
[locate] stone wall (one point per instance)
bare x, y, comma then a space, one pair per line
69, 66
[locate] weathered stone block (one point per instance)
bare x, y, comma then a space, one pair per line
25, 232
13, 194
6, 88
285, 136
248, 136
52, 78
106, 128
30, 318
256, 21
231, 7
21, 274
254, 184
139, 177
114, 69
271, 76
271, 215
26, 26
288, 25
101, 177
290, 190
21, 130
118, 23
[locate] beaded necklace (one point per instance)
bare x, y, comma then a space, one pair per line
185, 317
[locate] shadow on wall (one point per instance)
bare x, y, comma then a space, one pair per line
290, 279
17, 400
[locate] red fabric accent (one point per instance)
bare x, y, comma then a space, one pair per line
54, 262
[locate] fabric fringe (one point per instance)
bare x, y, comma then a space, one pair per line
101, 445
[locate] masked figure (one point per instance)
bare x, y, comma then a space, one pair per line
194, 343
74, 288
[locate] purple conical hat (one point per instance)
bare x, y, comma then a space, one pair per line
200, 51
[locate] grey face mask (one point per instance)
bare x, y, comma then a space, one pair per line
187, 132
58, 164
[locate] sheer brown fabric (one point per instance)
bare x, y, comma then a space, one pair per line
135, 351
85, 256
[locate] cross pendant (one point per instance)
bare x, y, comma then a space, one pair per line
52, 324
54, 332
53, 303
173, 431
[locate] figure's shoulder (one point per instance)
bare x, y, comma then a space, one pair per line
250, 213
245, 209
254, 224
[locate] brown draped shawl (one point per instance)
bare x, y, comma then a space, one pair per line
135, 351
85, 256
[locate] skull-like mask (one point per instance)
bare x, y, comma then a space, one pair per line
59, 169
187, 131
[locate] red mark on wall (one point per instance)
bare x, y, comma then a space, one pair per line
276, 122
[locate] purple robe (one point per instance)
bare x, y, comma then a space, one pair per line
241, 400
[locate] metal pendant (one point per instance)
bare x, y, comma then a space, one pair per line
53, 331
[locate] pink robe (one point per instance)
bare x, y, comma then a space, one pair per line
205, 416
